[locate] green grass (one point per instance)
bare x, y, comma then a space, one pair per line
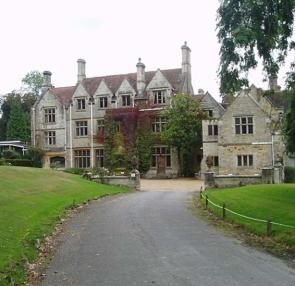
32, 201
275, 202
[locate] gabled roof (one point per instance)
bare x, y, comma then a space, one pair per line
114, 81
64, 94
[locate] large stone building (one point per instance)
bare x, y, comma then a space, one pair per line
67, 121
246, 137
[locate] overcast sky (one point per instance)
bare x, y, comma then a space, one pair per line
110, 35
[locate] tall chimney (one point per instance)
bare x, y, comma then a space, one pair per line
186, 70
273, 82
186, 59
81, 69
46, 81
140, 81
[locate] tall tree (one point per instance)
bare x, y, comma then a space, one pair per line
290, 125
248, 30
18, 126
33, 82
184, 126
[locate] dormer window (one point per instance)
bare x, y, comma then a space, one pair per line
103, 102
159, 97
81, 103
126, 100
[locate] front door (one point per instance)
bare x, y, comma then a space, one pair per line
161, 168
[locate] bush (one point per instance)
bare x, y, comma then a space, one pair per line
10, 154
289, 174
2, 162
19, 162
35, 155
75, 171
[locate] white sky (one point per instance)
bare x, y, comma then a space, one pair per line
110, 35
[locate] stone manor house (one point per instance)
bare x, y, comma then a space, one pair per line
241, 138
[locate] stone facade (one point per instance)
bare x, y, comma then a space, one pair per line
66, 120
246, 137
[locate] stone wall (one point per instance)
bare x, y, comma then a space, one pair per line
132, 181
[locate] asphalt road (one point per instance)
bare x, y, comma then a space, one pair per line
152, 238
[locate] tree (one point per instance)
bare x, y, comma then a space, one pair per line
248, 30
33, 82
290, 126
18, 125
184, 126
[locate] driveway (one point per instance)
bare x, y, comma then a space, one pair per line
179, 185
152, 238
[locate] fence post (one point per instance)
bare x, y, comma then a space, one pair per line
268, 227
223, 211
206, 201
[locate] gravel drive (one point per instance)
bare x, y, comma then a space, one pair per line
152, 238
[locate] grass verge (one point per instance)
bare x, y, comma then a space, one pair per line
275, 202
32, 201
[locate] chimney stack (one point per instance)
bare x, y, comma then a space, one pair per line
46, 81
186, 70
273, 83
140, 81
81, 70
186, 59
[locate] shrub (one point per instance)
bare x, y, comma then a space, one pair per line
10, 154
2, 162
75, 171
19, 162
35, 155
289, 174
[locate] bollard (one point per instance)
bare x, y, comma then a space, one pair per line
268, 227
206, 201
223, 210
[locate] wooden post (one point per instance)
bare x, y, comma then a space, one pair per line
268, 227
201, 194
223, 210
206, 201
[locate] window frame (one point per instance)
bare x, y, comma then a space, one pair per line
126, 98
245, 160
49, 115
82, 158
81, 103
50, 138
159, 96
212, 129
158, 124
244, 125
99, 157
103, 102
164, 151
100, 125
81, 128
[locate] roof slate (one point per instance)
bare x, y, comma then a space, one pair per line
64, 94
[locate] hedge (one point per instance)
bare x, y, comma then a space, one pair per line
20, 162
289, 174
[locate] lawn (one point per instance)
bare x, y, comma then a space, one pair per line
275, 202
32, 201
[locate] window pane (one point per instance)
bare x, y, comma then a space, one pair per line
250, 129
250, 160
209, 130
239, 160
244, 129
215, 129
238, 129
